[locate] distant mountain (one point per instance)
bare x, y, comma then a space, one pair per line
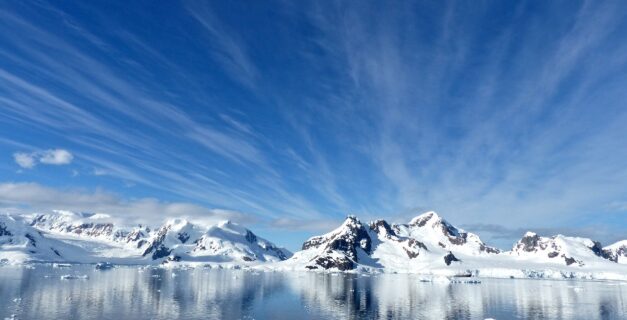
559, 249
225, 242
89, 238
617, 252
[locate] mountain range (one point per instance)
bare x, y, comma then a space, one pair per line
428, 244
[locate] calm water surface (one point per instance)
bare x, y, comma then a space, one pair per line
133, 293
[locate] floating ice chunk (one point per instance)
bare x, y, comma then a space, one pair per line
73, 276
435, 279
104, 266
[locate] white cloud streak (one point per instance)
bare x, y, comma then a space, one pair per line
33, 197
51, 157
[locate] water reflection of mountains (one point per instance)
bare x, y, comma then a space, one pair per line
130, 293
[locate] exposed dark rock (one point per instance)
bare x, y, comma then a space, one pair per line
31, 240
605, 254
341, 263
55, 251
569, 260
449, 258
529, 242
421, 222
613, 255
442, 245
412, 247
455, 236
313, 242
156, 246
250, 237
377, 225
416, 244
4, 231
134, 235
161, 252
349, 242
277, 251
488, 249
183, 237
247, 258
553, 254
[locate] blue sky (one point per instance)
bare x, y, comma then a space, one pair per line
502, 116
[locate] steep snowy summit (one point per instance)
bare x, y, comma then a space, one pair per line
427, 240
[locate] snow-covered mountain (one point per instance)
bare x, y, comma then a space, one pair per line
429, 244
179, 239
90, 238
428, 241
559, 249
617, 252
19, 243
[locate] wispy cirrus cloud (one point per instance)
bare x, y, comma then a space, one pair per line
486, 113
33, 197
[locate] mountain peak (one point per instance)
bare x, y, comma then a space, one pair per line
422, 219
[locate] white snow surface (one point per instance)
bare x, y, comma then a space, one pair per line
427, 245
64, 236
422, 245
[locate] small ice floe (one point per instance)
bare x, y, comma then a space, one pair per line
73, 276
61, 265
174, 275
104, 266
17, 299
435, 279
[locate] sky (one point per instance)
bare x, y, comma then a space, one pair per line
502, 116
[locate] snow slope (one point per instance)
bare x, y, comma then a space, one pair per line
21, 243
